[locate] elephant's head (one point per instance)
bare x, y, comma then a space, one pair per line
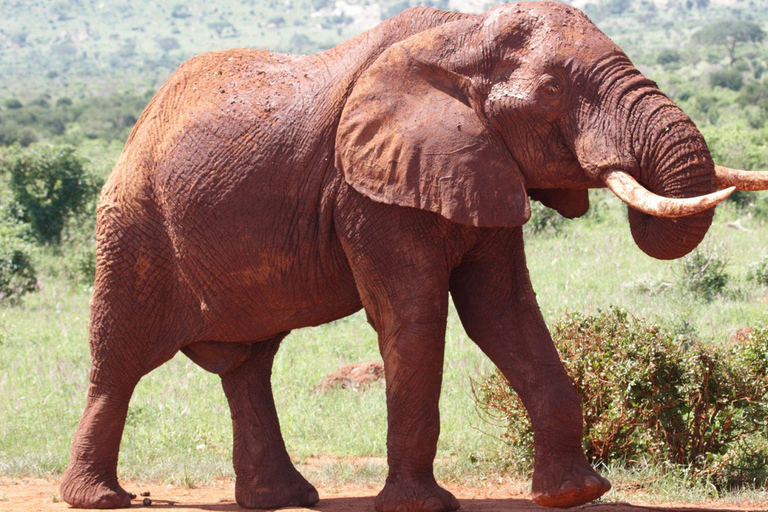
470, 118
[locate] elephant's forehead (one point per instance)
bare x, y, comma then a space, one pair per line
551, 28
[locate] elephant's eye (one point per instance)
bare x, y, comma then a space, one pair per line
551, 87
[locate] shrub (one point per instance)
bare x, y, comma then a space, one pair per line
180, 11
544, 220
300, 43
758, 272
668, 56
395, 9
703, 272
13, 104
17, 273
80, 264
168, 44
728, 78
49, 183
649, 395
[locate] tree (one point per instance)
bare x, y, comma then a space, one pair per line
168, 44
180, 11
49, 183
728, 78
300, 43
730, 34
394, 9
223, 28
617, 7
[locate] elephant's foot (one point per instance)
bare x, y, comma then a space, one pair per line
415, 496
286, 489
567, 483
84, 490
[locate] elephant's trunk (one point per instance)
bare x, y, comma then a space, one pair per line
674, 162
634, 137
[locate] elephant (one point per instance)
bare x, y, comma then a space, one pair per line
262, 192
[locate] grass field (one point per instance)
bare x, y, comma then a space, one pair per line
178, 427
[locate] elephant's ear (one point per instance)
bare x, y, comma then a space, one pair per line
409, 135
568, 202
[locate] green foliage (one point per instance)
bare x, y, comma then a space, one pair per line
755, 92
13, 103
735, 145
49, 183
647, 394
223, 28
728, 78
300, 43
180, 11
545, 221
394, 9
668, 56
758, 272
167, 44
703, 272
17, 272
616, 7
729, 33
80, 263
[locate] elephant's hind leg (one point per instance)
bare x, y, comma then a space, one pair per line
129, 337
266, 478
91, 477
90, 480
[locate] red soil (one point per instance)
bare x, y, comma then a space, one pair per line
30, 494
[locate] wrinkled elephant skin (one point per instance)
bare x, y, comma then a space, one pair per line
262, 192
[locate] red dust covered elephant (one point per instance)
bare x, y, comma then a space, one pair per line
262, 192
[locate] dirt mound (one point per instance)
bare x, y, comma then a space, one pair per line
356, 377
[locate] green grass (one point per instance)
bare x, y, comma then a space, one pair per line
595, 265
178, 428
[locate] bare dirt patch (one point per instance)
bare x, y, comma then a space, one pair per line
31, 494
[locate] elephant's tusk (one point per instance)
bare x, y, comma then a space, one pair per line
645, 201
742, 180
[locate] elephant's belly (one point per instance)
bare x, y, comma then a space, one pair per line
266, 290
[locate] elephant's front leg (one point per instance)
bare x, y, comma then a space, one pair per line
411, 339
402, 276
493, 295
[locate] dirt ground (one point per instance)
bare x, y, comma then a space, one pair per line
30, 494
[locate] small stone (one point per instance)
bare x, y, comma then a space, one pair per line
147, 502
146, 493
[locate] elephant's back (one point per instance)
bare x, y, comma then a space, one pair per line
236, 152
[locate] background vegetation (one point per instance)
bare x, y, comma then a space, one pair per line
74, 77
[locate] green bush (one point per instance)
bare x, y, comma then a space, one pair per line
703, 272
728, 78
49, 183
80, 264
649, 395
758, 272
668, 56
544, 220
17, 273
